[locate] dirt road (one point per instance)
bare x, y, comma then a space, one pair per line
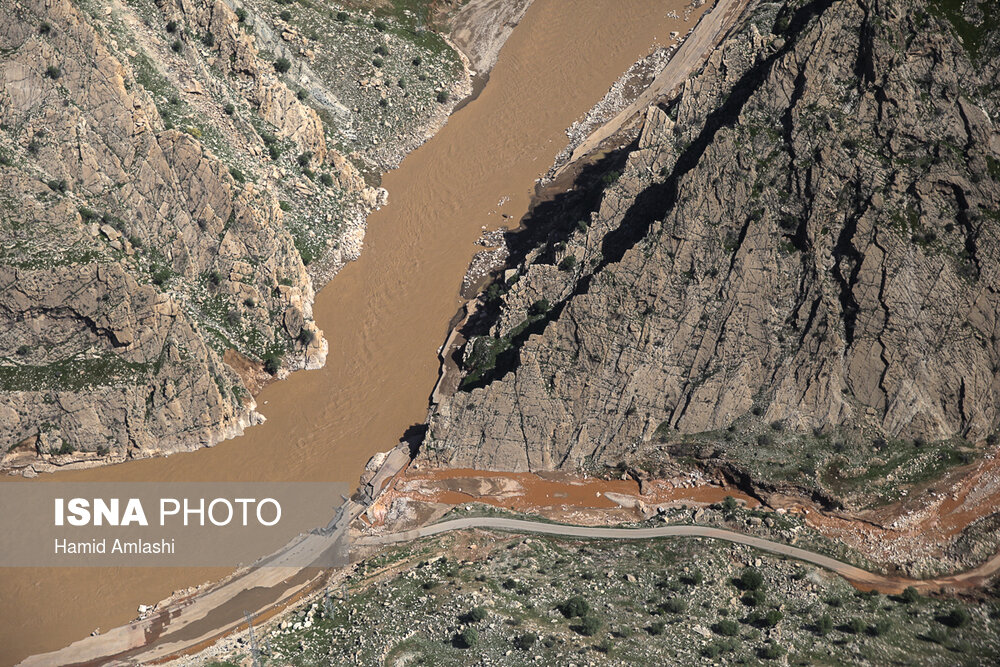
860, 578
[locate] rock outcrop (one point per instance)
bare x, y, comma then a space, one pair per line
806, 237
164, 184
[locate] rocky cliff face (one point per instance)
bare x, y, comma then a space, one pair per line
166, 176
793, 267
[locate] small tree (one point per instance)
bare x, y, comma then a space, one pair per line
729, 503
824, 624
909, 595
568, 263
282, 65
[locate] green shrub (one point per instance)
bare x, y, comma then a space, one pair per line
282, 65
53, 72
726, 628
171, 26
476, 614
443, 96
589, 626
416, 61
45, 28
285, 15
824, 624
539, 307
161, 275
381, 50
674, 606
956, 618
568, 263
272, 362
306, 336
855, 626
241, 15
177, 46
909, 595
751, 579
574, 607
342, 17
378, 62
326, 179
229, 109
772, 618
526, 641
880, 627
771, 651
380, 25
304, 158
657, 628
208, 39
468, 638
302, 94
237, 175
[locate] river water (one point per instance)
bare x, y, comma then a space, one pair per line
384, 315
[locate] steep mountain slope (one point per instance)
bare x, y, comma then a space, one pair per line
794, 268
167, 173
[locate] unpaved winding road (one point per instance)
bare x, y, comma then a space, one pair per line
861, 578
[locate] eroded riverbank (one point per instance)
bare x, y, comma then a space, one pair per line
384, 315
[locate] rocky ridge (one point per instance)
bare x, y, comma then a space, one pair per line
793, 267
170, 193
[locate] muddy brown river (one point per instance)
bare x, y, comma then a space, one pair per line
384, 315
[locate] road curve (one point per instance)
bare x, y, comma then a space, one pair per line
857, 576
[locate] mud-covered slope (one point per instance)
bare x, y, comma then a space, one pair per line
799, 261
169, 193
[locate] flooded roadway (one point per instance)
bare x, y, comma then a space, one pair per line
384, 315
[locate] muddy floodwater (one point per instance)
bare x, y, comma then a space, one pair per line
384, 315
